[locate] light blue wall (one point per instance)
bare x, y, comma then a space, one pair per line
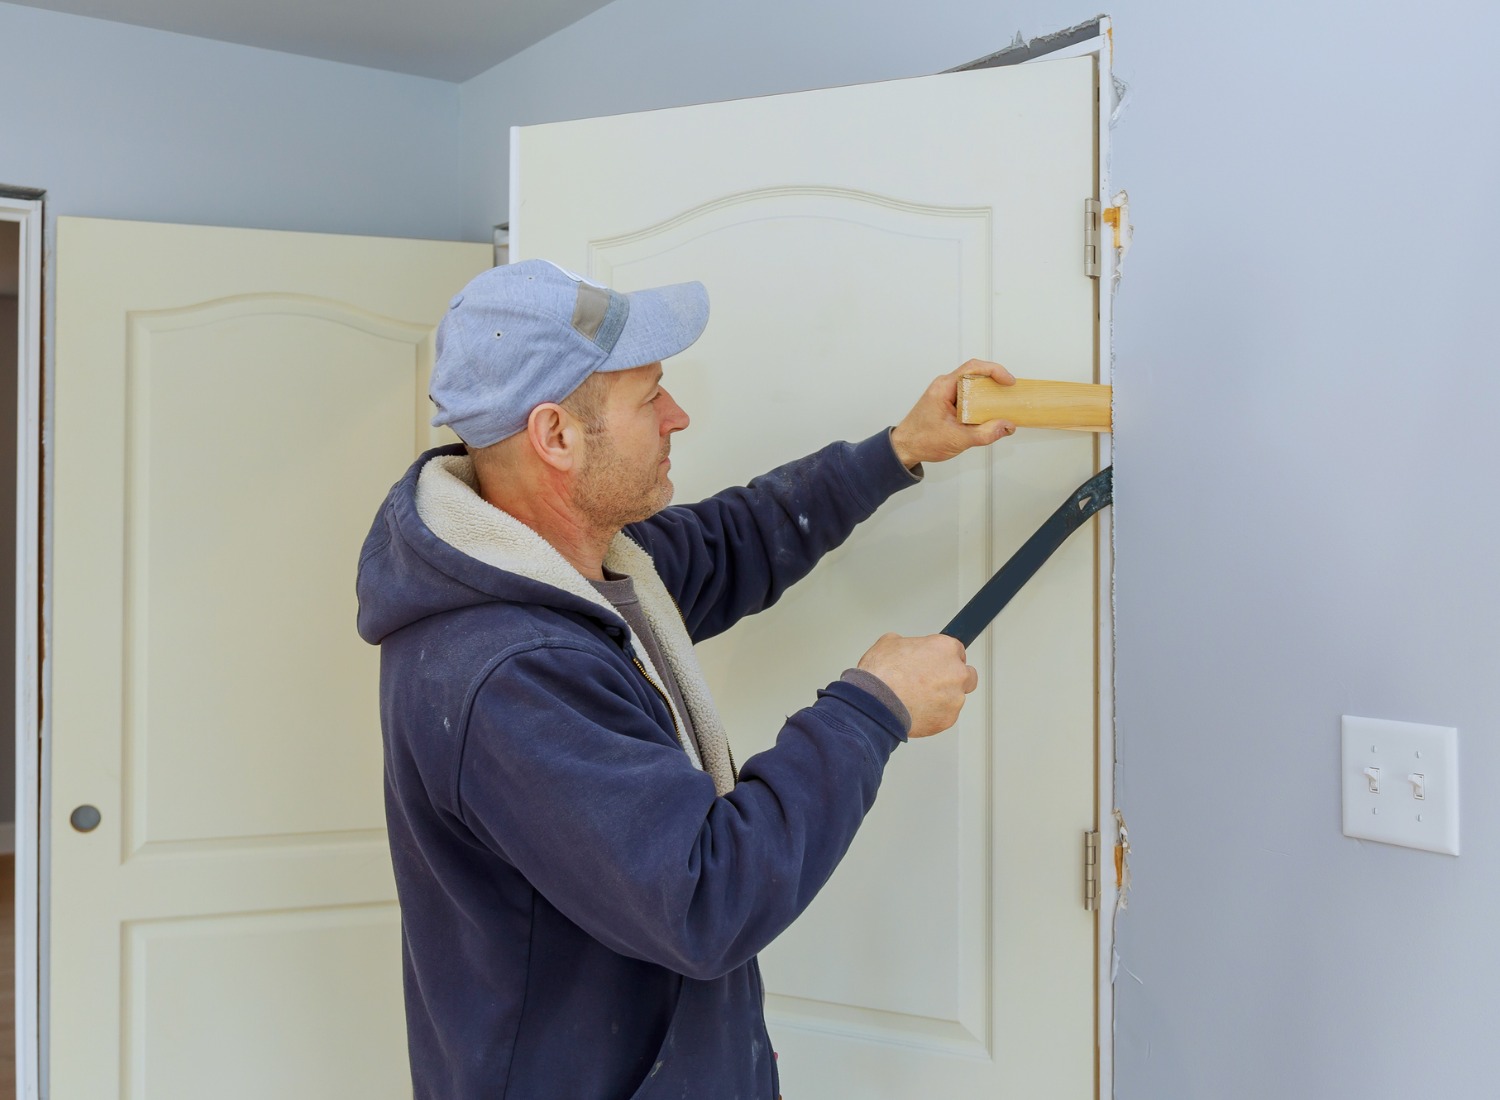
121, 122
1307, 386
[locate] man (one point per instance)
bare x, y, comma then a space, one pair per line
585, 880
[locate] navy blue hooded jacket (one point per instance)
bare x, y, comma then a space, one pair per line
581, 901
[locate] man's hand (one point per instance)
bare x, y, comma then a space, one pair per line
929, 675
931, 431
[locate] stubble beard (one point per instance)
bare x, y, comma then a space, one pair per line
613, 493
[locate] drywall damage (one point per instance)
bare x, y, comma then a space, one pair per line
1117, 216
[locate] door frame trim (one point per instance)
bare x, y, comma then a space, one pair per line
28, 213
1107, 820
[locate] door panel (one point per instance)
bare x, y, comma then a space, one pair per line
330, 973
231, 408
856, 242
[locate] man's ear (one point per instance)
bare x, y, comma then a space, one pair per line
555, 436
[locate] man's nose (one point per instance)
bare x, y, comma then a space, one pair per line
676, 418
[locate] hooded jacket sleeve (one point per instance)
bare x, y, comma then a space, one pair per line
735, 553
565, 775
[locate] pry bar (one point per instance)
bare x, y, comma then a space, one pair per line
1094, 494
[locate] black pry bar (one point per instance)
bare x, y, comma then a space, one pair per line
1094, 494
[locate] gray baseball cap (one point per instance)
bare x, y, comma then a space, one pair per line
524, 334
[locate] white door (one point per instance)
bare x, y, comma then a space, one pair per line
231, 407
856, 242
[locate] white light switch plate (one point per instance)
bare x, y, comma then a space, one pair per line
1412, 799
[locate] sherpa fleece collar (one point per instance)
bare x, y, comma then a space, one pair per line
449, 504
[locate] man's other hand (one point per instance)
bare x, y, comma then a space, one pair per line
929, 675
931, 431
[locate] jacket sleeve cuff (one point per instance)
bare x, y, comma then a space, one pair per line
875, 713
877, 687
875, 472
913, 474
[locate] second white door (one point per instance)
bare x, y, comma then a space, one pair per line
231, 407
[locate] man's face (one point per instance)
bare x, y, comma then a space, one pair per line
624, 476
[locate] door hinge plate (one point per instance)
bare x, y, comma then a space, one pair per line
1091, 871
1092, 213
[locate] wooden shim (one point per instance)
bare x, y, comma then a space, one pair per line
1035, 403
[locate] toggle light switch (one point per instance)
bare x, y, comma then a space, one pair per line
1420, 813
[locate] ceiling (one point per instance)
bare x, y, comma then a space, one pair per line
447, 39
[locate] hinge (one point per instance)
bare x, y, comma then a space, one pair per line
1091, 214
1091, 871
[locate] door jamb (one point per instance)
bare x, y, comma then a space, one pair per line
27, 212
1106, 819
1096, 38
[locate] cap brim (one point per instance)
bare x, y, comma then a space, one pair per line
664, 321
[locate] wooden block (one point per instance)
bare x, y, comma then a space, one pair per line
1035, 403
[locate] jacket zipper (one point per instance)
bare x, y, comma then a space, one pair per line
672, 714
